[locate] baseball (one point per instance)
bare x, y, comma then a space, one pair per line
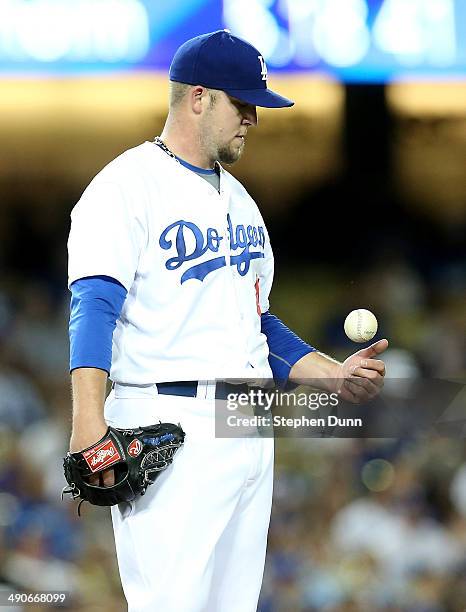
360, 325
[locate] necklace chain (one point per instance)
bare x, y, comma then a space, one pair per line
160, 143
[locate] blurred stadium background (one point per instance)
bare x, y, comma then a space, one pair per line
363, 187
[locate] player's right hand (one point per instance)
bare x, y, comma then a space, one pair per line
362, 375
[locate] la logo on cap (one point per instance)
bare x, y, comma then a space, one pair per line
263, 68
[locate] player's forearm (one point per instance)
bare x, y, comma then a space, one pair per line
318, 370
89, 389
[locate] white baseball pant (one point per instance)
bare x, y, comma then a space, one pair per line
196, 541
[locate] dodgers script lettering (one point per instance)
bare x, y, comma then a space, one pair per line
191, 243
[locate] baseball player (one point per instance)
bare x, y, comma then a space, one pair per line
170, 270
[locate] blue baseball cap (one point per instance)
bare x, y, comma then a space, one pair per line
219, 60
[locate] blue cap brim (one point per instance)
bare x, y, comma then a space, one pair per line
260, 97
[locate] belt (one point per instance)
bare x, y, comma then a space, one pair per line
188, 388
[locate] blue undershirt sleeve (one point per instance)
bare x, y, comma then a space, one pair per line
286, 348
96, 304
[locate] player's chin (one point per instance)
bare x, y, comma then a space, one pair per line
231, 154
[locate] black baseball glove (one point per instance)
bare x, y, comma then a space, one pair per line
137, 456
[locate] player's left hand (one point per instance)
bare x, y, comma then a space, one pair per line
362, 374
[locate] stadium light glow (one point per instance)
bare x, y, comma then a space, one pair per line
84, 30
340, 32
417, 30
353, 40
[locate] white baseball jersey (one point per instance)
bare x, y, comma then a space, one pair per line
197, 265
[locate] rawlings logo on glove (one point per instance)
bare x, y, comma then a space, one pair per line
101, 456
137, 456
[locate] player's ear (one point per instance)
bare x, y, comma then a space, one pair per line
199, 99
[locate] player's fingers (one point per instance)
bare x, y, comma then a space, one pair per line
108, 478
372, 375
354, 393
362, 388
374, 349
360, 382
371, 364
102, 479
